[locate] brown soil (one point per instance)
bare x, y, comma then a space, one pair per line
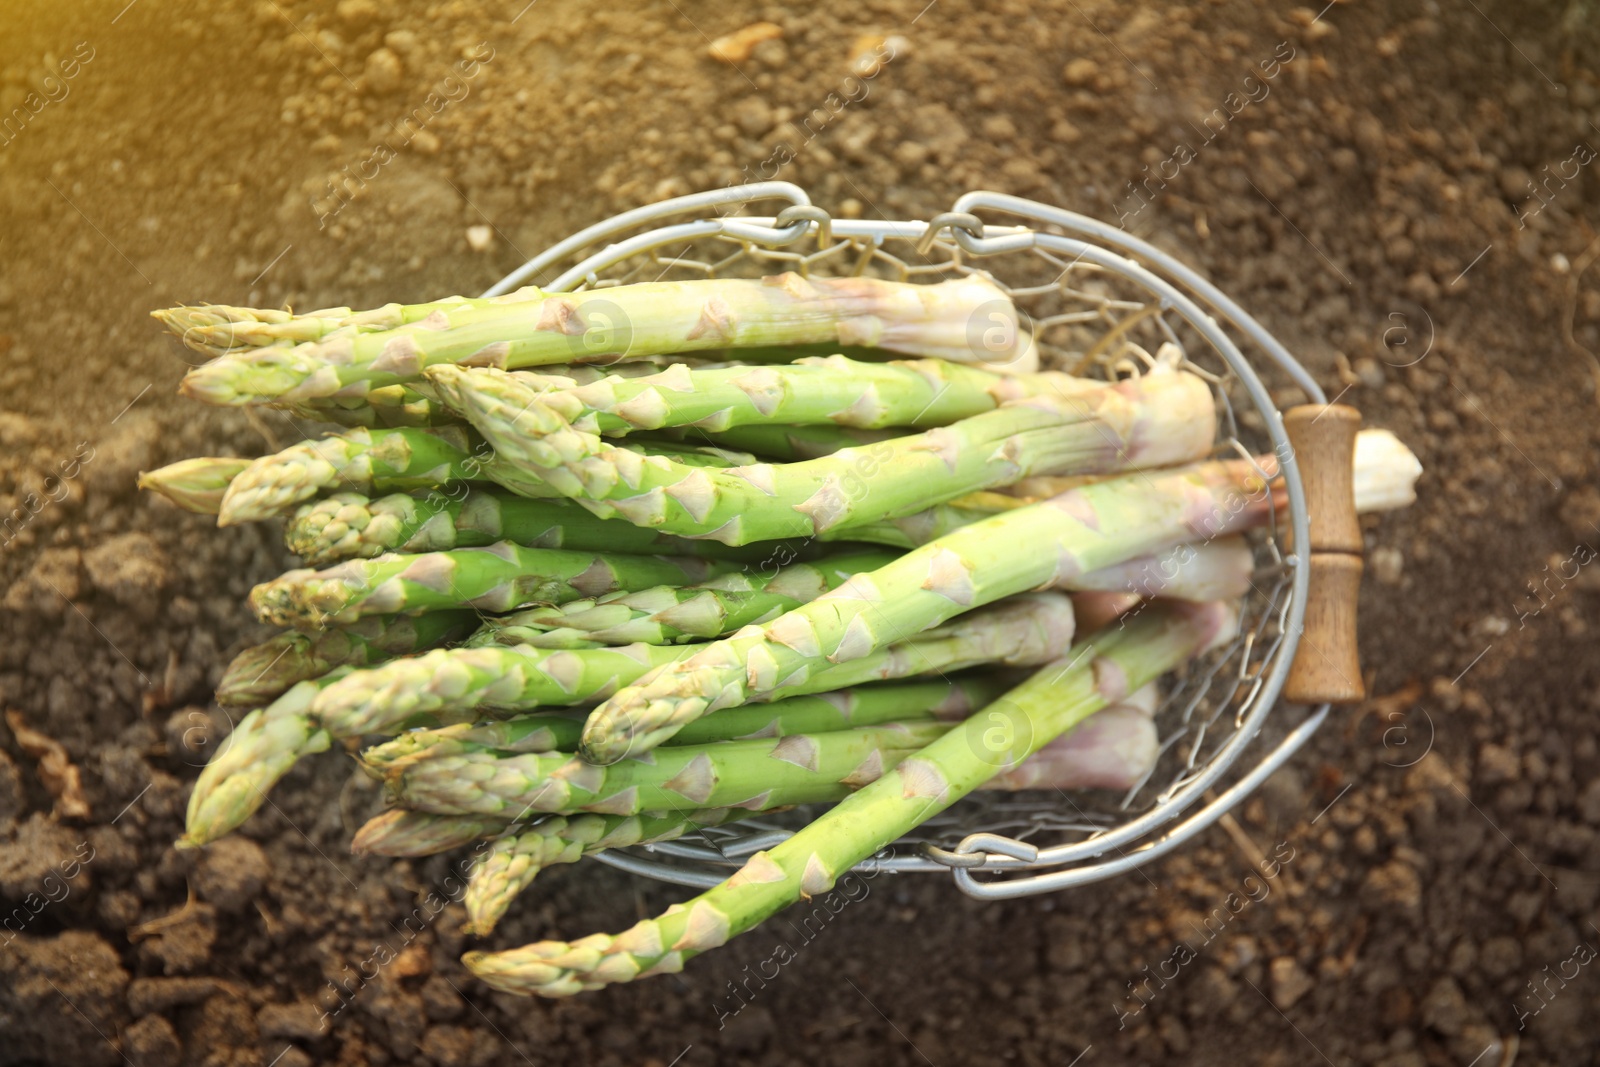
1371, 198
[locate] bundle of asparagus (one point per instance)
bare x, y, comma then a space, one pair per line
593, 604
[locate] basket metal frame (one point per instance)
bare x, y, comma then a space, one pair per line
1106, 851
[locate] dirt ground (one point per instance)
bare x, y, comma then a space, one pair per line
1406, 202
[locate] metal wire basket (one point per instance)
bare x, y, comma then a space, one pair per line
1097, 300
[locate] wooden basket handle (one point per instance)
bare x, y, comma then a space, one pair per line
1327, 666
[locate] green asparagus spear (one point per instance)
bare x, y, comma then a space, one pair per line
500, 577
677, 614
1031, 547
261, 749
352, 526
412, 405
461, 684
836, 710
390, 407
408, 458
532, 329
758, 774
196, 485
833, 391
216, 329
360, 460
456, 684
510, 864
401, 832
263, 672
787, 444
1099, 671
1164, 417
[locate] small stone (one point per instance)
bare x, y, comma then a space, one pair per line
1496, 764
479, 238
735, 48
871, 52
1080, 71
131, 568
413, 960
300, 1021
753, 115
358, 12
426, 142
772, 55
383, 71
1370, 372
1290, 982
1387, 565
1064, 132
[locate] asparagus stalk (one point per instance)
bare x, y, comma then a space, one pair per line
196, 485
263, 672
535, 329
513, 861
402, 832
758, 774
1099, 672
836, 710
460, 684
668, 614
361, 460
918, 529
216, 329
452, 684
1095, 526
787, 444
833, 391
1112, 749
352, 526
1218, 569
500, 577
412, 405
390, 407
1385, 475
1164, 417
406, 458
261, 749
